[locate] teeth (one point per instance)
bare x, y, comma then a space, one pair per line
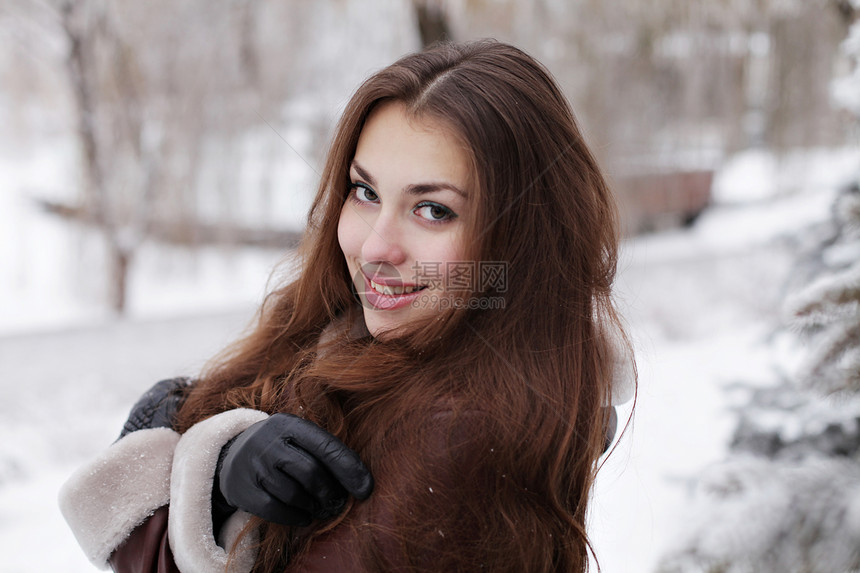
393, 290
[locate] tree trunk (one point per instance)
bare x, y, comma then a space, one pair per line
432, 22
120, 260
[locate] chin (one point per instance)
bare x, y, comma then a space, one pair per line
380, 327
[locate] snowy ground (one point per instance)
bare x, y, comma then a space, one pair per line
700, 304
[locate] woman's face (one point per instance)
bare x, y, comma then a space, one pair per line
401, 227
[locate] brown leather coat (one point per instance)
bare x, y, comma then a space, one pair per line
146, 550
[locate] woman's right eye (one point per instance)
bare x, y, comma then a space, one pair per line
363, 193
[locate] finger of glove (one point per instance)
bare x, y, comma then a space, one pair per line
312, 476
263, 454
259, 488
270, 508
343, 463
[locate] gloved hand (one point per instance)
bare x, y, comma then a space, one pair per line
287, 470
157, 407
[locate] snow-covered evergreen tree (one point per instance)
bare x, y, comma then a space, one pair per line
828, 311
788, 498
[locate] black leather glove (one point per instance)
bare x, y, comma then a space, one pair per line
287, 470
158, 406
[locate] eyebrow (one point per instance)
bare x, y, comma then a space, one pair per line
413, 189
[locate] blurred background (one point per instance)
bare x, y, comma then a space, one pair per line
157, 160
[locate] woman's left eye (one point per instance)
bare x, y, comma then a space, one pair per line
434, 212
361, 193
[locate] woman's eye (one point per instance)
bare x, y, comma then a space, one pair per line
363, 193
434, 212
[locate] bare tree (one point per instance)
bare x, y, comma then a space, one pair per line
432, 21
158, 103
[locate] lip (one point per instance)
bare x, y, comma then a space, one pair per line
388, 301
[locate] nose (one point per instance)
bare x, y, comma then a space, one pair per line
383, 242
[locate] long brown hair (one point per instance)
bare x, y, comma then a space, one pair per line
505, 403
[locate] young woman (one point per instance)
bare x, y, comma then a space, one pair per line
433, 391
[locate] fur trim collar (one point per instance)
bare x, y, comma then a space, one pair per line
190, 522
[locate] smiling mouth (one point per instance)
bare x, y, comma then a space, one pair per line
391, 290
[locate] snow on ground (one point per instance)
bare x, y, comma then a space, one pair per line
700, 305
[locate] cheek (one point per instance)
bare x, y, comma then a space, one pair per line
445, 250
454, 249
449, 253
348, 235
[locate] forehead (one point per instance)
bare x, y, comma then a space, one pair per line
396, 144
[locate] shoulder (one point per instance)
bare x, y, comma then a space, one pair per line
436, 450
